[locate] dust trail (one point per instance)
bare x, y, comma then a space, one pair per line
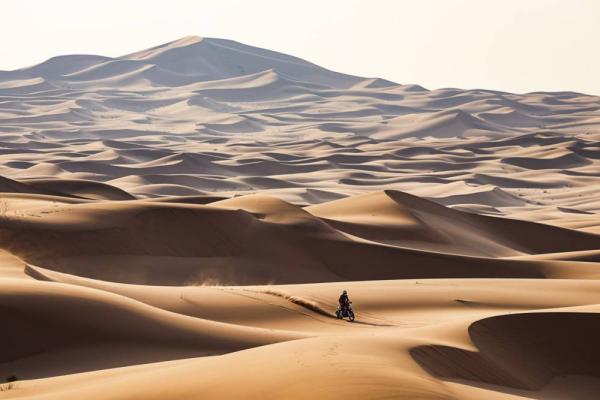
308, 304
34, 273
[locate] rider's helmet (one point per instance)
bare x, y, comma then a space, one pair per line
345, 292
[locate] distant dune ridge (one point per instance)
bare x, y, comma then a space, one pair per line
179, 222
198, 116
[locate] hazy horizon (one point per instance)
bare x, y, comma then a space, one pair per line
510, 46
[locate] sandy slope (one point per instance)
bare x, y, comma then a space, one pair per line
178, 223
387, 350
69, 333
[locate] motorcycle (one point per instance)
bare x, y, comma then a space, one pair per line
343, 312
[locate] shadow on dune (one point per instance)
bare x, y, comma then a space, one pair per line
520, 351
257, 240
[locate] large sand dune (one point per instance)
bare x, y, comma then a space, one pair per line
178, 223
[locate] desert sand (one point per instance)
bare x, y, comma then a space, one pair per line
178, 223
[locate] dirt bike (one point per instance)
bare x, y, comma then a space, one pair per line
343, 312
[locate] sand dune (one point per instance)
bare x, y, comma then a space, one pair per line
108, 332
412, 219
260, 239
179, 222
521, 351
393, 352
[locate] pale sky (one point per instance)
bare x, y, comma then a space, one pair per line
513, 45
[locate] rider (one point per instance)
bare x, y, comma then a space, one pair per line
344, 300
